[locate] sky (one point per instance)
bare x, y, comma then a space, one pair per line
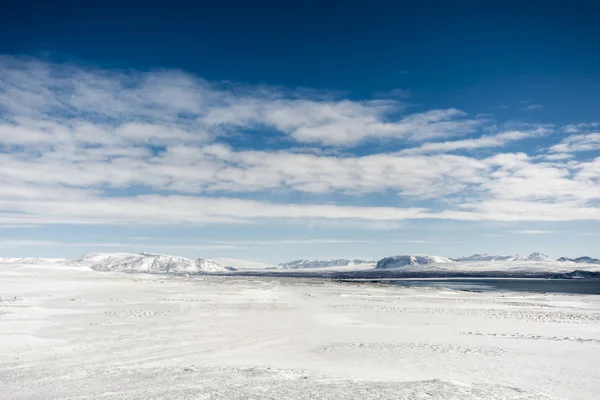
273, 131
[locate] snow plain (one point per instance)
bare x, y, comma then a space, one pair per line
75, 333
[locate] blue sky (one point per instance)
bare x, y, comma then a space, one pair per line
272, 131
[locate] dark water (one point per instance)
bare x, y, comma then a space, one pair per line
574, 286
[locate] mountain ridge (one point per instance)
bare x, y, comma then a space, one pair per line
147, 262
579, 260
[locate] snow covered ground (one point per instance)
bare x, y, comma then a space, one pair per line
75, 333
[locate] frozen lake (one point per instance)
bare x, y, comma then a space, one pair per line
79, 334
573, 286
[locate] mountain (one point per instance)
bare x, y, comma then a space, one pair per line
489, 257
306, 264
404, 260
146, 262
538, 257
565, 259
206, 265
580, 260
578, 274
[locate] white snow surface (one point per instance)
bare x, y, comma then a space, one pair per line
146, 262
310, 264
68, 333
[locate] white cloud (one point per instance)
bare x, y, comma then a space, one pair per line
288, 242
52, 243
497, 140
217, 168
576, 143
557, 157
175, 105
394, 93
532, 232
582, 127
532, 107
519, 210
341, 123
155, 209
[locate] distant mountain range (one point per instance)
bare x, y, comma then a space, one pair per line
488, 257
409, 260
579, 260
306, 264
409, 265
415, 260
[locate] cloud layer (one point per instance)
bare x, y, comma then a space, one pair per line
80, 144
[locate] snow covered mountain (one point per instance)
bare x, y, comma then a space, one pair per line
405, 260
580, 260
483, 257
538, 257
206, 265
145, 262
305, 264
489, 257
